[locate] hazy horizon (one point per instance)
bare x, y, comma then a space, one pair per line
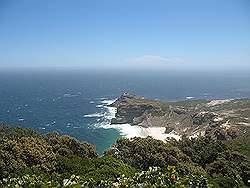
112, 35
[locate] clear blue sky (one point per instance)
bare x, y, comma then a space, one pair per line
125, 33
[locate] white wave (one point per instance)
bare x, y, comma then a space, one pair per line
126, 130
110, 114
130, 131
190, 97
102, 98
20, 119
108, 102
70, 95
93, 115
91, 102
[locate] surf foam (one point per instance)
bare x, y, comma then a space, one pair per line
130, 131
93, 115
125, 130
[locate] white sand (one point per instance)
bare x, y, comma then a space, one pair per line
159, 133
244, 123
218, 102
195, 135
218, 119
226, 125
130, 131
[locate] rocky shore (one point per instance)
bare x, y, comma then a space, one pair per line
220, 119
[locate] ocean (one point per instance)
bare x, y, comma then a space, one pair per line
75, 102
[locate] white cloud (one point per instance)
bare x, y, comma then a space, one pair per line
145, 59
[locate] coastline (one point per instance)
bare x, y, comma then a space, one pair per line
189, 118
130, 131
151, 128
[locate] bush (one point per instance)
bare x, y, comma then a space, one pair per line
201, 150
23, 148
153, 177
103, 168
66, 145
145, 152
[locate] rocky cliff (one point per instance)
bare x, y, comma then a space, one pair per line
221, 119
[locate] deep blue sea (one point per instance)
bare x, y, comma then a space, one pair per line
74, 102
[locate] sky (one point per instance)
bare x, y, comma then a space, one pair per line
120, 34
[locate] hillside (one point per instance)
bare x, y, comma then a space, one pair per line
28, 159
221, 119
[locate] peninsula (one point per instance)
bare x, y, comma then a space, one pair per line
219, 119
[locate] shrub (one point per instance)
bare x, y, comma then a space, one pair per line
145, 152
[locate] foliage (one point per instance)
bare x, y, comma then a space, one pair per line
28, 159
217, 159
202, 150
241, 143
232, 165
153, 177
23, 148
199, 156
29, 181
226, 182
102, 168
66, 145
145, 152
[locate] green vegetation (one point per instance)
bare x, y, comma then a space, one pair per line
241, 143
201, 156
153, 177
102, 168
143, 153
28, 159
24, 148
217, 158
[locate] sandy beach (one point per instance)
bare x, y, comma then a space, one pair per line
159, 133
130, 131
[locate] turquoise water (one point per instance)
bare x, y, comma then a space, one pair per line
74, 102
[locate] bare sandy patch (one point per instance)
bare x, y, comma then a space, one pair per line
226, 125
159, 133
218, 119
218, 102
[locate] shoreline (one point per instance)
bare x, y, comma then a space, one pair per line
130, 131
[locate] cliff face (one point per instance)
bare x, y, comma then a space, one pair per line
130, 110
221, 119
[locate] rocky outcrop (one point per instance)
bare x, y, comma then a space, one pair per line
129, 111
191, 118
203, 117
123, 99
132, 114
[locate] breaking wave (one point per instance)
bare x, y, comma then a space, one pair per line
125, 130
93, 115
